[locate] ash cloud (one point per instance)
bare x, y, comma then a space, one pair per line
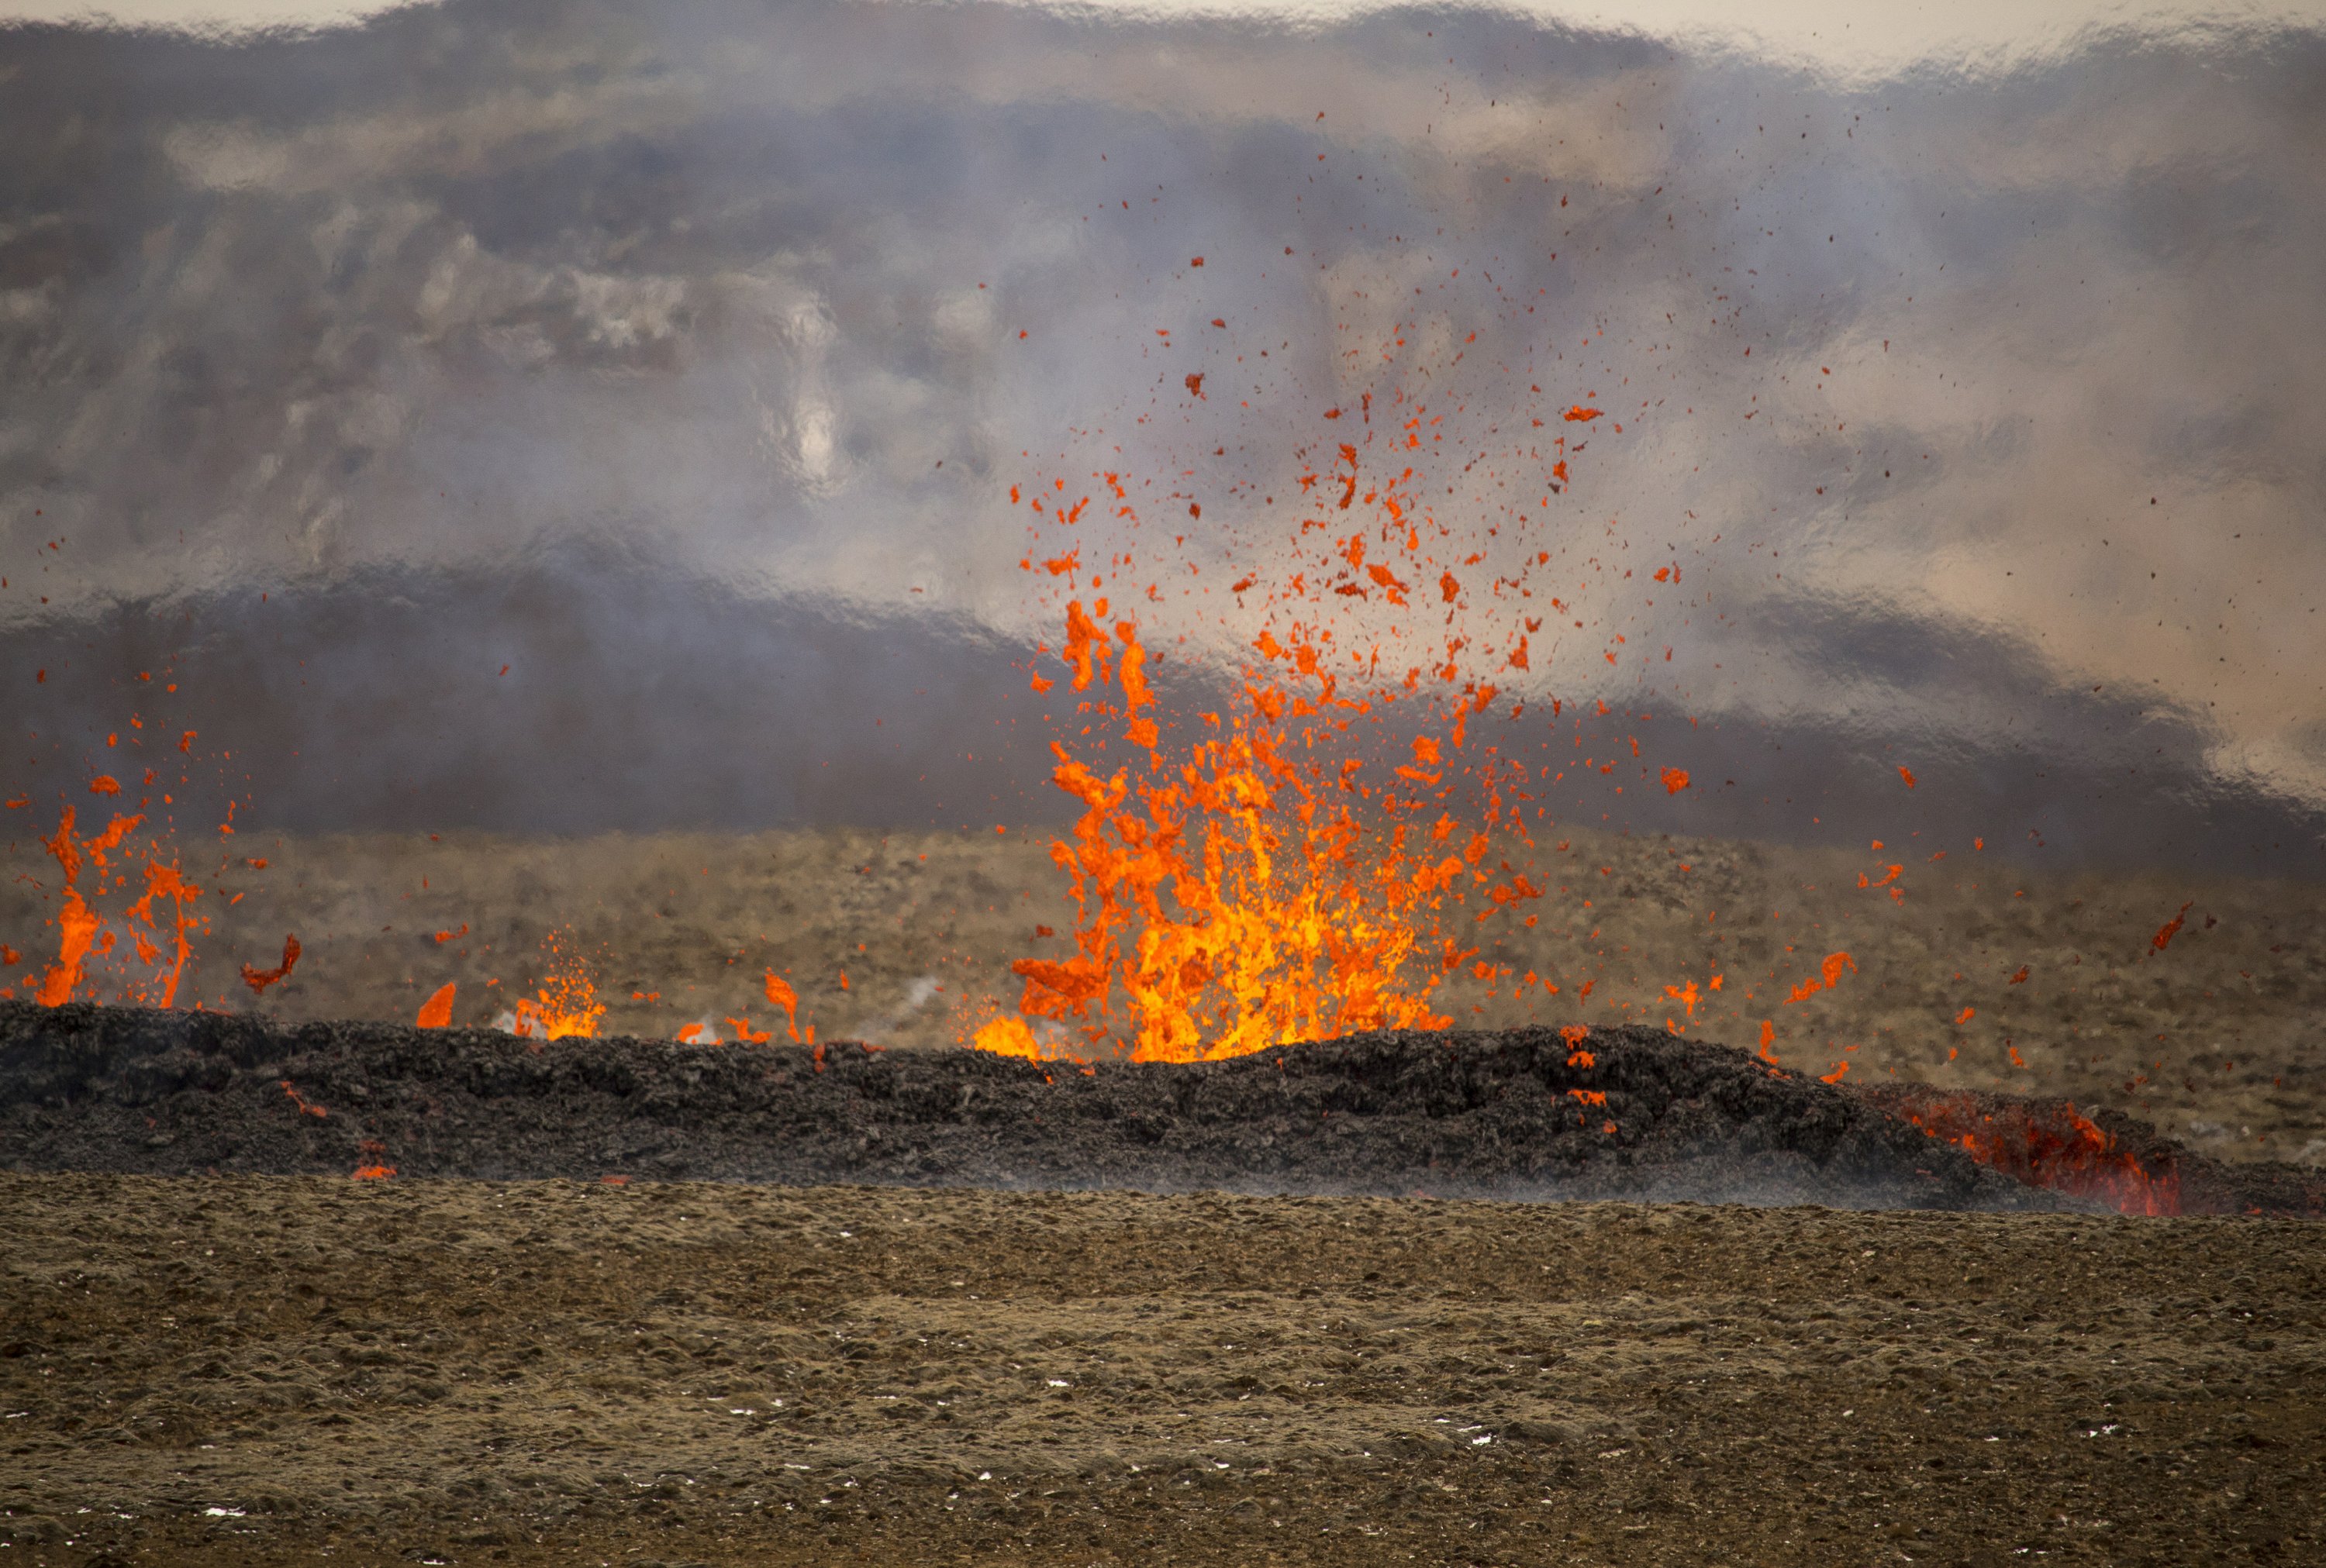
696, 332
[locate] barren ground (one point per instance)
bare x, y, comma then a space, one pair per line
258, 1370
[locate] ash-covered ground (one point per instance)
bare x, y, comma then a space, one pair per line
263, 1370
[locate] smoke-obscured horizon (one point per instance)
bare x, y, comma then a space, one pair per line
682, 361
574, 697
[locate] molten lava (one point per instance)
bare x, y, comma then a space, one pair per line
84, 932
1320, 855
1245, 887
436, 1012
258, 979
779, 991
566, 1005
1234, 901
2043, 1145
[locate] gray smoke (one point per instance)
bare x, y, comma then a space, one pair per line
682, 360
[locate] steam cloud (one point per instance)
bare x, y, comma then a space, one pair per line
682, 360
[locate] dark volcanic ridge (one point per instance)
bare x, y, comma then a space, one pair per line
1511, 1115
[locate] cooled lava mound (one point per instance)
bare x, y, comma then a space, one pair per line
1529, 1113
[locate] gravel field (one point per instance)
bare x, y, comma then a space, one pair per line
266, 1369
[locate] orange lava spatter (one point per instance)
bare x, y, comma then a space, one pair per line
1007, 1036
436, 1012
1229, 899
258, 979
166, 881
83, 931
567, 1006
1289, 868
779, 991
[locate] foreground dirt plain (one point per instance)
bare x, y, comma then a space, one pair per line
2219, 1039
262, 1370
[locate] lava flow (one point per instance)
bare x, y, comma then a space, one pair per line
2043, 1145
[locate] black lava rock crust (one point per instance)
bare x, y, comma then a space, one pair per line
1483, 1115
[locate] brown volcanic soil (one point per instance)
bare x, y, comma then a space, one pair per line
258, 1369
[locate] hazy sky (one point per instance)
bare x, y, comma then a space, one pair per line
1835, 35
1971, 358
